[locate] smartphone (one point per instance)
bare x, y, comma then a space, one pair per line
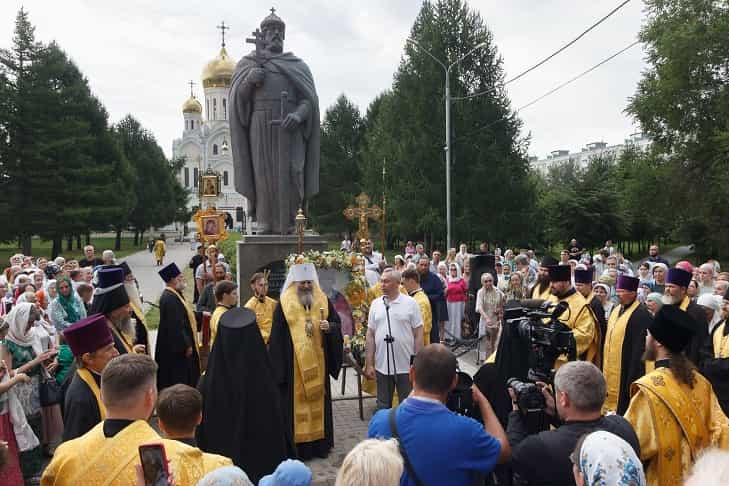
154, 464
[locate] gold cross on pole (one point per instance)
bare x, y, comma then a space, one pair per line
363, 213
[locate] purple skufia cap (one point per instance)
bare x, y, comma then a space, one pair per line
88, 335
678, 276
626, 282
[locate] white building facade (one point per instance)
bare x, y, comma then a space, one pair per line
205, 142
591, 150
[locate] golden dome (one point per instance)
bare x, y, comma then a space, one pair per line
219, 71
191, 106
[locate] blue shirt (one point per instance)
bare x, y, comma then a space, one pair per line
444, 448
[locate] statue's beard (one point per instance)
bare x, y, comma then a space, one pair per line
125, 326
133, 294
306, 297
276, 45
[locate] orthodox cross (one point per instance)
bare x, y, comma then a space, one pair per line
223, 28
363, 212
191, 83
273, 11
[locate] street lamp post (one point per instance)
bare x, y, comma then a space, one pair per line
447, 71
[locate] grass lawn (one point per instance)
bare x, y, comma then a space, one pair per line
42, 248
152, 315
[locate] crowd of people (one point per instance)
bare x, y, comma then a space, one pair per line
242, 395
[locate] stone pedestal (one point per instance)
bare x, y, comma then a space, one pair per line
259, 252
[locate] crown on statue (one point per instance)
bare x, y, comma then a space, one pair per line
273, 19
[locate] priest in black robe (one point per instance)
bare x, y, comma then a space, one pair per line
177, 349
242, 413
93, 347
624, 345
111, 299
306, 349
141, 333
583, 284
699, 348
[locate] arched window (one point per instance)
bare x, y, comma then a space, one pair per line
192, 124
215, 108
207, 107
185, 124
194, 177
225, 109
215, 149
187, 177
225, 177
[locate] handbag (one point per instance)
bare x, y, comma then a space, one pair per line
50, 390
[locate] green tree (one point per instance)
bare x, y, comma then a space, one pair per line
682, 102
341, 140
491, 188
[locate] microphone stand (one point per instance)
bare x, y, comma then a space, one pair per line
389, 340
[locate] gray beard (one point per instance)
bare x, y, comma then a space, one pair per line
126, 327
133, 294
306, 298
669, 300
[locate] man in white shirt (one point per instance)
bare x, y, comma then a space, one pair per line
390, 363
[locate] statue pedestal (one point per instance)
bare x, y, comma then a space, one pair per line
259, 252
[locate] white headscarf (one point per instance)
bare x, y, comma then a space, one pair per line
17, 320
301, 272
605, 458
458, 272
713, 302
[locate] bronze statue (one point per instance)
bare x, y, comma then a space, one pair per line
274, 125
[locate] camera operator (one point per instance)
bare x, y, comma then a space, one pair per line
543, 458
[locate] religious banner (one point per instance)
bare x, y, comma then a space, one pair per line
210, 225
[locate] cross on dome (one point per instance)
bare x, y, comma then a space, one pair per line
223, 28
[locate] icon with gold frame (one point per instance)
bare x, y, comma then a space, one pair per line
210, 185
210, 225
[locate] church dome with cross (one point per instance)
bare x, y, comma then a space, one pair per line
218, 72
191, 105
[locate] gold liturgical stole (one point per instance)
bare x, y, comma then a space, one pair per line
721, 342
264, 314
85, 375
191, 318
676, 418
123, 338
612, 359
309, 363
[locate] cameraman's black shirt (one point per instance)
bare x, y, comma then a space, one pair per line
543, 458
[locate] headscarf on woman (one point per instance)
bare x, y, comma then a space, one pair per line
458, 272
713, 302
71, 304
225, 476
606, 459
17, 320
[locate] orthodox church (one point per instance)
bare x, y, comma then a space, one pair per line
205, 141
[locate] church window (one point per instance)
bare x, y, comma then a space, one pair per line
187, 177
192, 124
215, 108
194, 177
207, 107
185, 124
225, 109
215, 149
225, 177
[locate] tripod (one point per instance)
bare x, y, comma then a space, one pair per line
389, 342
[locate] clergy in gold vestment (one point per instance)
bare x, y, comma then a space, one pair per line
108, 453
411, 282
716, 368
624, 345
578, 317
226, 297
541, 289
305, 349
673, 409
262, 304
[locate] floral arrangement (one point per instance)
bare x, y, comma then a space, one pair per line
355, 291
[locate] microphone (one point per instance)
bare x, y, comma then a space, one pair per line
385, 301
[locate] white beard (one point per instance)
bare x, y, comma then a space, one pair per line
126, 327
669, 300
133, 294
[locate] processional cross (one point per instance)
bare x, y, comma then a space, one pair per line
363, 212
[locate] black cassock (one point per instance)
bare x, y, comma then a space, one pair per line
80, 409
716, 370
242, 413
699, 348
173, 339
632, 366
281, 351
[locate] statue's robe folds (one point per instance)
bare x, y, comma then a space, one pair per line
97, 459
301, 369
674, 423
623, 353
255, 140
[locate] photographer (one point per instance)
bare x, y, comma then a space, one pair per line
543, 458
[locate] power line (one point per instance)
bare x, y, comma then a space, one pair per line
556, 88
558, 51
